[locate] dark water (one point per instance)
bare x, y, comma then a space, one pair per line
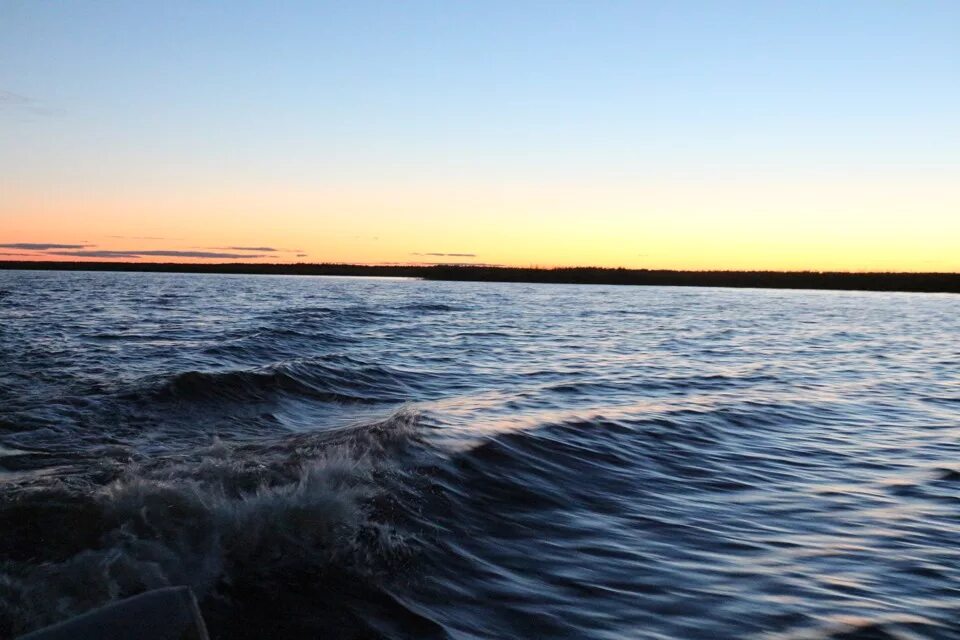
348, 458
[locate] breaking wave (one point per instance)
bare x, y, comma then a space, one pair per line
238, 523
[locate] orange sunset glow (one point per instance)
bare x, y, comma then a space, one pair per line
820, 223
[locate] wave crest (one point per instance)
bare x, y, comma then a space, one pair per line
331, 379
229, 521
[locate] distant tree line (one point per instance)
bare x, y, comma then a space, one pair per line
928, 282
922, 282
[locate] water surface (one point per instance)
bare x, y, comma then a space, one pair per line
366, 458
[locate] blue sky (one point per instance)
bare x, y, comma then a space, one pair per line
110, 98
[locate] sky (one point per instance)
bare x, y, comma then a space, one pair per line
690, 134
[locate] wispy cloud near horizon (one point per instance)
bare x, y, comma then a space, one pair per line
163, 253
15, 101
435, 254
88, 250
263, 249
41, 246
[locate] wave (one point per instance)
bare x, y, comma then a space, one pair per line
664, 385
321, 316
270, 342
325, 378
428, 307
238, 523
153, 413
545, 466
884, 627
373, 531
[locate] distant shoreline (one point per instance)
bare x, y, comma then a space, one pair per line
844, 281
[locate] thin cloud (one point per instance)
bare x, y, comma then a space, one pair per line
11, 100
94, 254
23, 255
14, 101
302, 255
263, 249
40, 246
165, 253
446, 255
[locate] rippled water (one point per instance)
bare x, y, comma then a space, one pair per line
350, 458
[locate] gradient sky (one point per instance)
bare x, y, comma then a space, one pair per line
669, 134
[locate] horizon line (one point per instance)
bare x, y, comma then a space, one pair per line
459, 265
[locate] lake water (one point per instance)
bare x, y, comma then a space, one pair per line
353, 458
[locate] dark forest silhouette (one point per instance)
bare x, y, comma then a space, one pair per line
920, 282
